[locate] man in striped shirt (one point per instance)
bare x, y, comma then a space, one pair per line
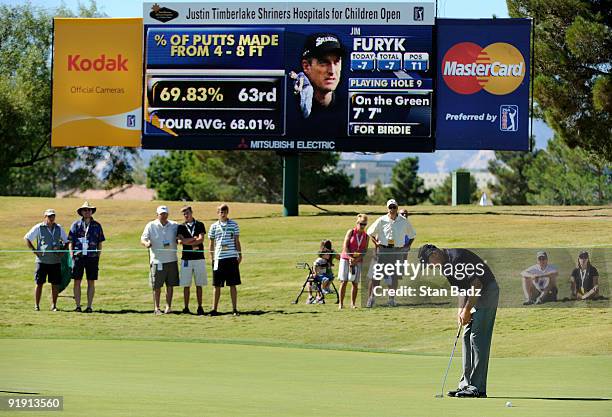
226, 254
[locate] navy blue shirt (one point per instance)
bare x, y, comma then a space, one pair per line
94, 235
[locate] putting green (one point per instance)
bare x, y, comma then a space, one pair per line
146, 378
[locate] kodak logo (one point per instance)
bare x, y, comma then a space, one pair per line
101, 63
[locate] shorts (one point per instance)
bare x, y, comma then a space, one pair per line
322, 278
53, 271
85, 265
346, 273
227, 273
386, 256
195, 268
168, 274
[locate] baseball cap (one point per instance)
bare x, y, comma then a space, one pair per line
162, 209
49, 212
584, 255
321, 43
391, 202
542, 254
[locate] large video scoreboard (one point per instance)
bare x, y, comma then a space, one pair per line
289, 76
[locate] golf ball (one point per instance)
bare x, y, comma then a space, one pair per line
508, 404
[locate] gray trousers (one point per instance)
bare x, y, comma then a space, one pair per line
477, 336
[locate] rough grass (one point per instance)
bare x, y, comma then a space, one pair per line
272, 245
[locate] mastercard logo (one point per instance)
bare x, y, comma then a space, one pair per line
498, 68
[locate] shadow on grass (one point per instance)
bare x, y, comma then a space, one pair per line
554, 398
220, 313
19, 392
424, 304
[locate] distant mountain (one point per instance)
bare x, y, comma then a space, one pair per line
446, 161
440, 161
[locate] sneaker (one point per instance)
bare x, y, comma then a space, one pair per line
326, 291
36, 308
158, 312
54, 308
78, 309
89, 310
214, 313
453, 393
186, 310
321, 301
467, 393
310, 300
200, 311
235, 313
528, 303
168, 310
370, 302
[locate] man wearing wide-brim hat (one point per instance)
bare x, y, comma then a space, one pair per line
85, 245
48, 242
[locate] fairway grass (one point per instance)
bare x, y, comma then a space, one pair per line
279, 359
121, 378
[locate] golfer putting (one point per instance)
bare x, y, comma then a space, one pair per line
476, 313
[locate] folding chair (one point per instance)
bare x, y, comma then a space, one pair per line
315, 284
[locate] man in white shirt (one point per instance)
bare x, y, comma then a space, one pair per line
47, 240
392, 236
159, 236
540, 281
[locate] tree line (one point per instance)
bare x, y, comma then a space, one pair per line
572, 91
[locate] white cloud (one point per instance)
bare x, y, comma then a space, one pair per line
480, 160
442, 162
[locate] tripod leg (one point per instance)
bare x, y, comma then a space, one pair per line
301, 292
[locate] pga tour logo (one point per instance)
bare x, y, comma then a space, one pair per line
131, 120
419, 14
508, 118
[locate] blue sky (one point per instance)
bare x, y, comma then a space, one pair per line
440, 161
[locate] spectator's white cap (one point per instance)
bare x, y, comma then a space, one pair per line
391, 202
542, 254
49, 212
162, 209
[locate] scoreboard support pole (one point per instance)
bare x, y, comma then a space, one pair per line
291, 184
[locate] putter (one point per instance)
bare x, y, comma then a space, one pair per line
441, 395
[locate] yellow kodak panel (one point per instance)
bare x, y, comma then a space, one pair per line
97, 82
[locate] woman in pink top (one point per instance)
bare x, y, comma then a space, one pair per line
353, 250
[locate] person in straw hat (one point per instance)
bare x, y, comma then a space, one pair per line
48, 241
85, 244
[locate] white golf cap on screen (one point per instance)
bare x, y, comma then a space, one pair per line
162, 209
542, 254
49, 212
391, 202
